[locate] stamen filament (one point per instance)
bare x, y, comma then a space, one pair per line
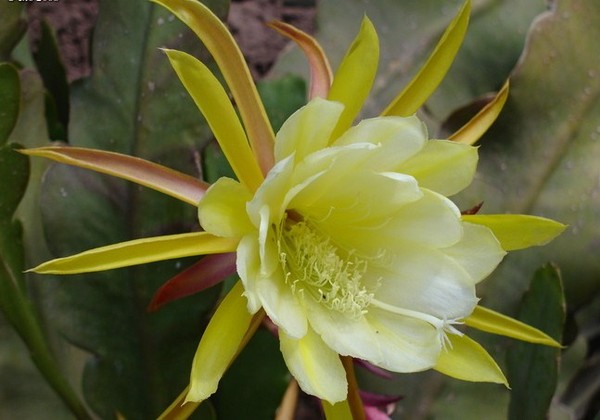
434, 321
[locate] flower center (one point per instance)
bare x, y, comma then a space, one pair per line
313, 264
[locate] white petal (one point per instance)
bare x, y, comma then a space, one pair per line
272, 192
348, 336
425, 280
338, 164
407, 344
371, 196
433, 220
267, 244
442, 166
308, 129
479, 252
315, 366
281, 305
344, 194
248, 268
398, 138
390, 341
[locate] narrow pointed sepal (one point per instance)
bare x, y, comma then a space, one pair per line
220, 43
138, 251
435, 68
467, 360
214, 103
518, 231
355, 75
219, 344
483, 120
151, 175
179, 409
320, 70
485, 319
209, 271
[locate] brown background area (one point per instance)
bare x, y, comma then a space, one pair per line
73, 20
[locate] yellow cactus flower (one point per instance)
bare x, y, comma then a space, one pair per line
344, 233
347, 252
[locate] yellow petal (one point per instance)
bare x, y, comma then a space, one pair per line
355, 75
229, 58
151, 175
222, 210
434, 69
219, 344
479, 124
320, 71
138, 251
213, 102
496, 323
465, 359
518, 231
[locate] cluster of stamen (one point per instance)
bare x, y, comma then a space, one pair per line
313, 264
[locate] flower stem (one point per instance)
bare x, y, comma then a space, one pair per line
354, 400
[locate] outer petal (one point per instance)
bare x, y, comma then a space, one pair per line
467, 360
308, 129
479, 252
442, 166
518, 231
138, 251
315, 366
222, 210
219, 344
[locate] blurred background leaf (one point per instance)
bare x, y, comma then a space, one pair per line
52, 70
12, 27
21, 379
531, 367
